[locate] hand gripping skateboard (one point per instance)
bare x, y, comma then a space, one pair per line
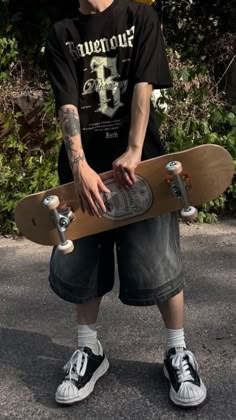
177, 181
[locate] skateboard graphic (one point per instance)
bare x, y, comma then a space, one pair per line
177, 181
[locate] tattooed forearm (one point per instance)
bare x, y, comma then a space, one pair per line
75, 156
70, 122
69, 144
76, 160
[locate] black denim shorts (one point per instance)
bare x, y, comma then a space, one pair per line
148, 259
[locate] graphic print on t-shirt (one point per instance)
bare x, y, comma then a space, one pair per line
103, 88
103, 85
102, 45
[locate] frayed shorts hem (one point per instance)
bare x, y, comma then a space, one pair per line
74, 299
156, 300
155, 297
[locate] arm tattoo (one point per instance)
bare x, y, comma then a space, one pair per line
69, 144
70, 122
76, 160
71, 127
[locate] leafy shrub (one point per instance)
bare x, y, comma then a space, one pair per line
191, 26
8, 55
25, 167
196, 114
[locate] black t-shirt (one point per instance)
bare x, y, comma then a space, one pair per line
93, 62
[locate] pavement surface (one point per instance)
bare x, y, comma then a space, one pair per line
38, 335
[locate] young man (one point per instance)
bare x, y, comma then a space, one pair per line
103, 65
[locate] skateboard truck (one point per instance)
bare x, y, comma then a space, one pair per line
62, 220
179, 184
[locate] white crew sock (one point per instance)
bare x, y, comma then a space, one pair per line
87, 337
175, 338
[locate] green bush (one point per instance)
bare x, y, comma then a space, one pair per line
25, 167
196, 114
8, 56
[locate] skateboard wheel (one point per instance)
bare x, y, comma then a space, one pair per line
66, 248
174, 168
52, 202
189, 214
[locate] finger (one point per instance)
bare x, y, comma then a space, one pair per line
116, 175
86, 204
100, 202
132, 176
81, 204
127, 178
90, 204
121, 176
103, 187
93, 206
80, 201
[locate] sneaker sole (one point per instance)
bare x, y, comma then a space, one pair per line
88, 389
181, 403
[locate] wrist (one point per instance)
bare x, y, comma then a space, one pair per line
135, 148
77, 162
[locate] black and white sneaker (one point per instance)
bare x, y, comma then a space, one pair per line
181, 369
82, 372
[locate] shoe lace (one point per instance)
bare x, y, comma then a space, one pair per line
181, 363
77, 365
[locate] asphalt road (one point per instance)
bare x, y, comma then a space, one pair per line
38, 335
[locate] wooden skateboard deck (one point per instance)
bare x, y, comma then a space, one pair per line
208, 169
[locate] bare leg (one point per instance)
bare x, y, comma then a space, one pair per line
87, 313
172, 312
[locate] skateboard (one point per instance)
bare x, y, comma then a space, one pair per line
176, 181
